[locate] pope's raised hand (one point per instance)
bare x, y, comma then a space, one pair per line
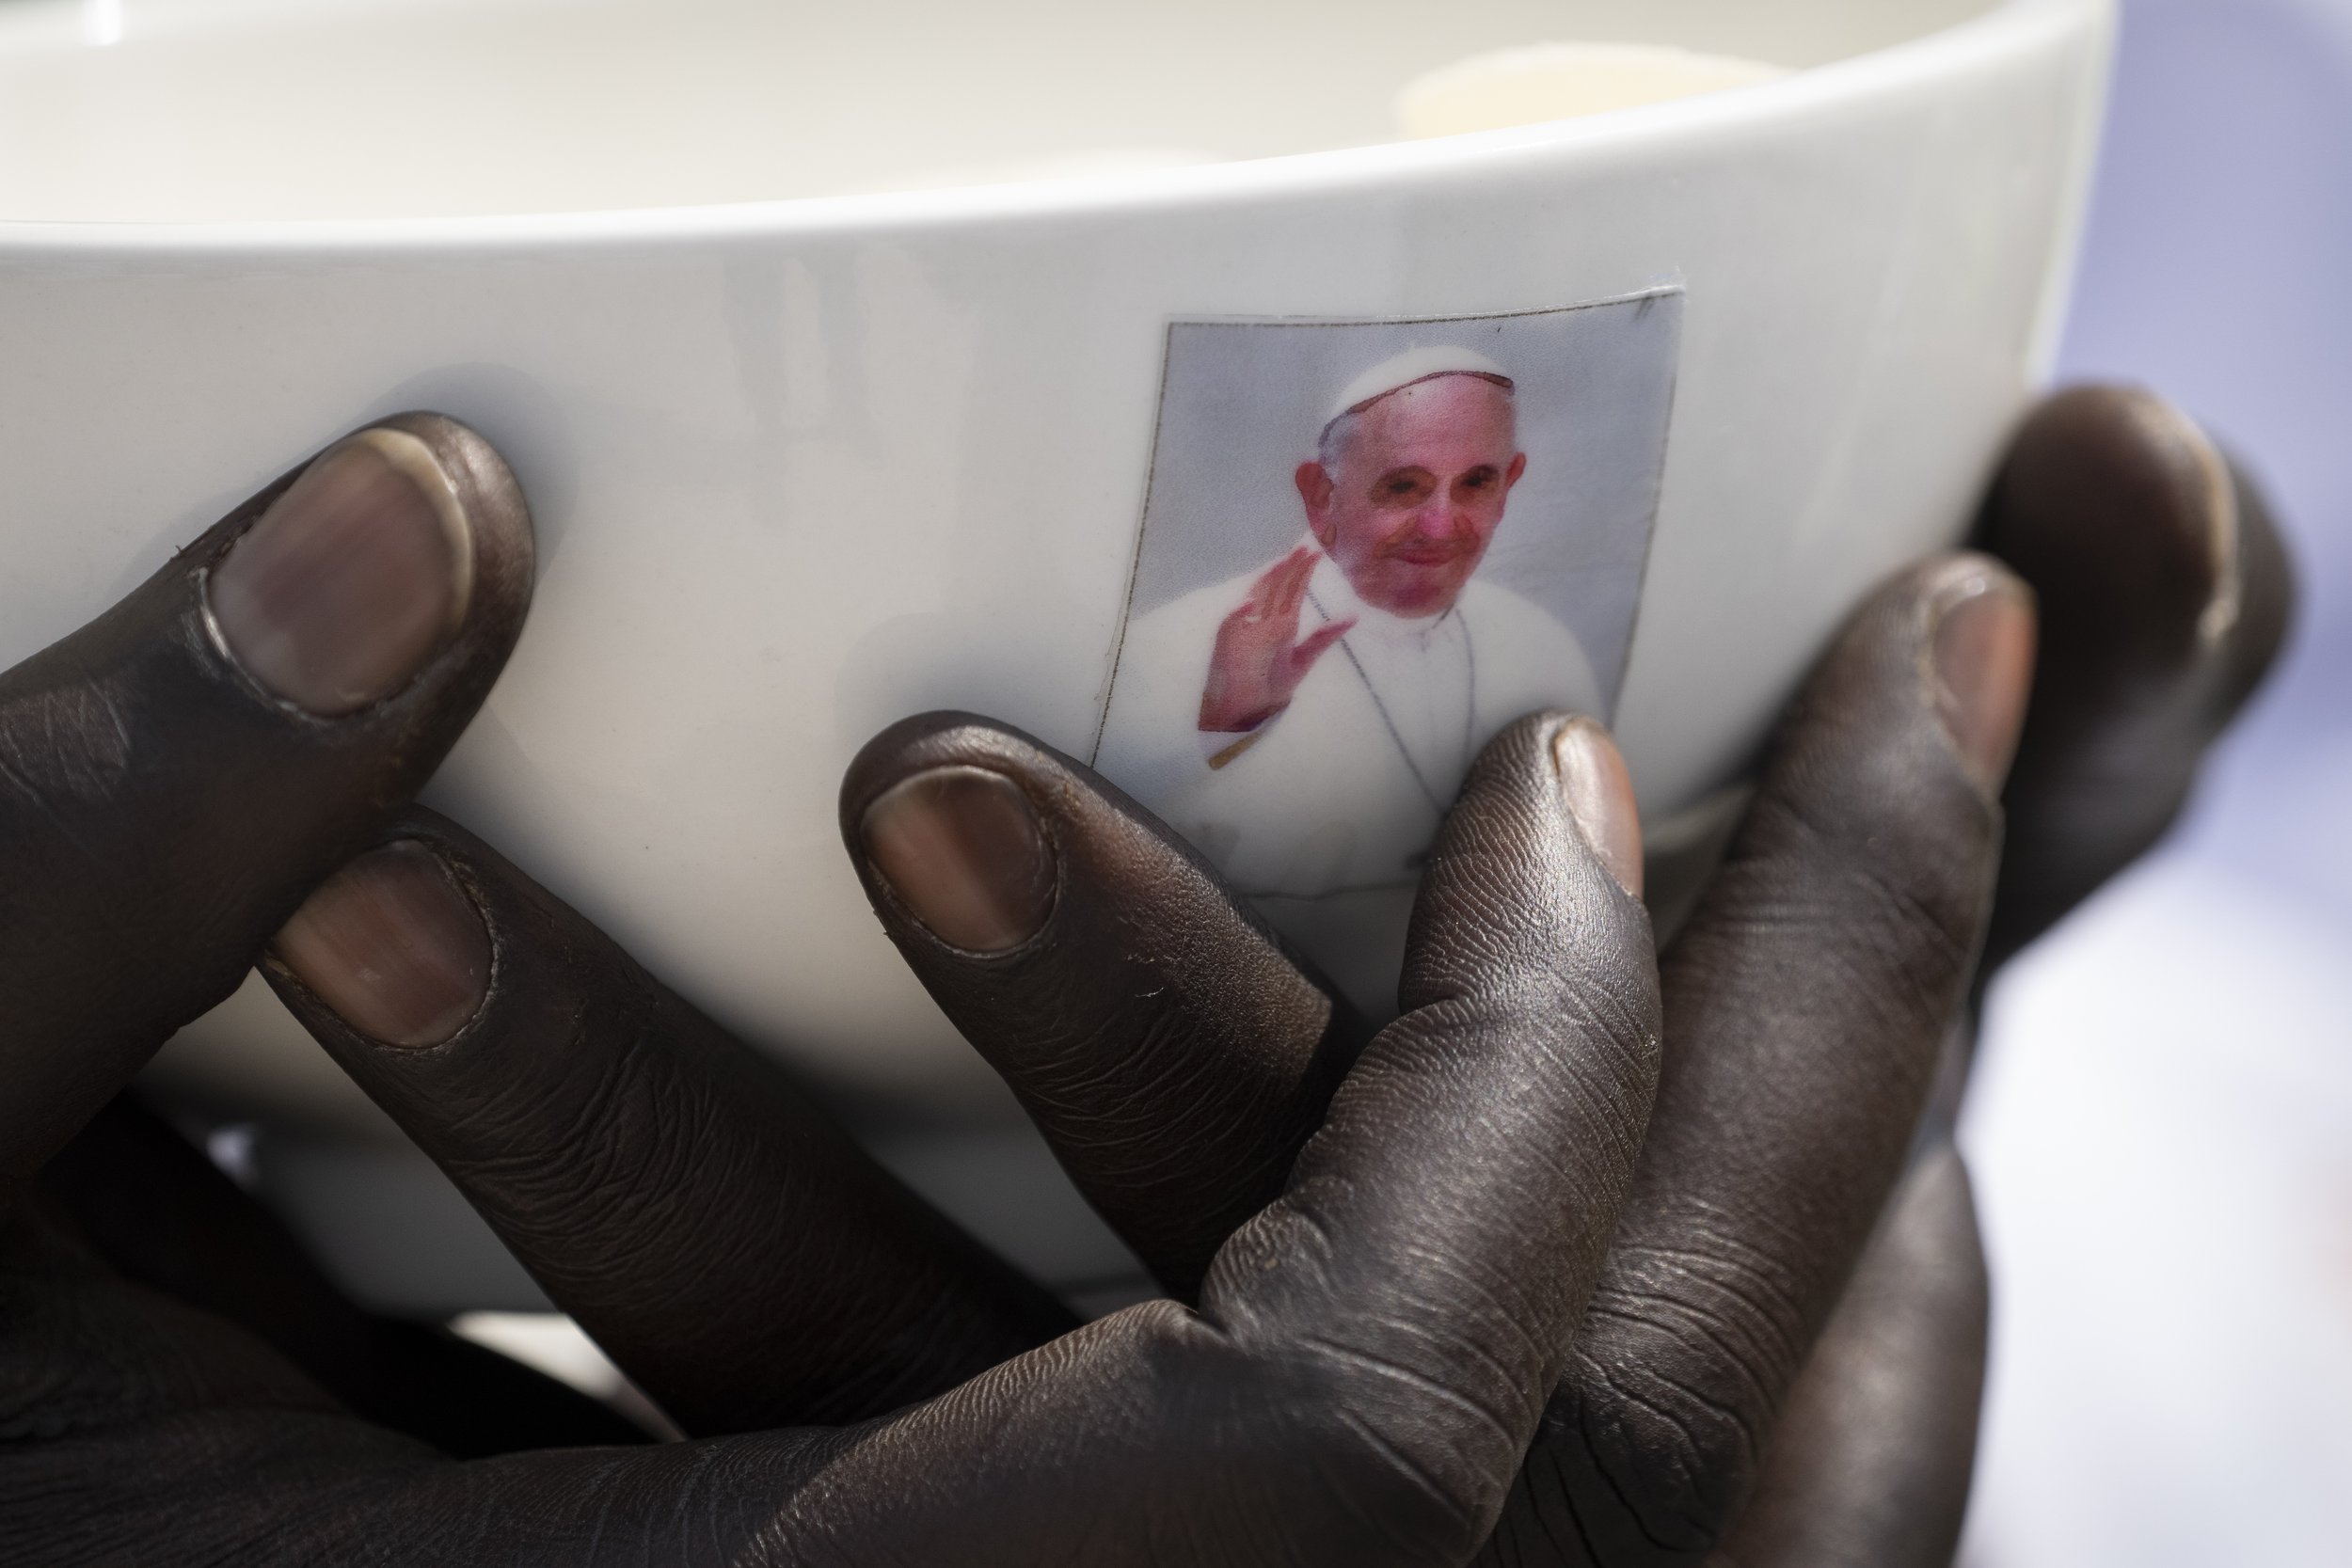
1260, 657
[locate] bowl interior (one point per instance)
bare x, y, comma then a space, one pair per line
209, 110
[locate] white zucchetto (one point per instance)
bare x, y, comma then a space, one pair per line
1400, 370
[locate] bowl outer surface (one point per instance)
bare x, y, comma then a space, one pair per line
800, 470
177, 110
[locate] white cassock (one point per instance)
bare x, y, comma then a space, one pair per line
1344, 790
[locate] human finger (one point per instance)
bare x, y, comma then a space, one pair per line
1165, 1042
1298, 569
1273, 583
1807, 1000
1357, 1390
1471, 1170
143, 1430
670, 1188
163, 1216
1370, 1351
1870, 1463
1317, 642
179, 772
1371, 1347
2166, 594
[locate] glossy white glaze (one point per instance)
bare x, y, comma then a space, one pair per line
803, 467
205, 110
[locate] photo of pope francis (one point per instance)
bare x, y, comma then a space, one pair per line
1307, 722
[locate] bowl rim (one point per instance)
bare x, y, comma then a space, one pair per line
2004, 29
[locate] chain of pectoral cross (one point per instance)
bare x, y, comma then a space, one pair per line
1470, 713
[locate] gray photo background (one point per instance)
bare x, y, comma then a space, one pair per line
1243, 402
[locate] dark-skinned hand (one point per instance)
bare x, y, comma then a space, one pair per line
1573, 1262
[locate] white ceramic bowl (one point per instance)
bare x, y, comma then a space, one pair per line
819, 433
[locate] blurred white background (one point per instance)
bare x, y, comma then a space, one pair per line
2162, 1133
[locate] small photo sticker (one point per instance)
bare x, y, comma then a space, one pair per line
1367, 546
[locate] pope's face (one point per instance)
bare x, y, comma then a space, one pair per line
1418, 491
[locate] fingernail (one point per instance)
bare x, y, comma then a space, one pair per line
352, 578
1983, 669
392, 946
963, 850
1600, 796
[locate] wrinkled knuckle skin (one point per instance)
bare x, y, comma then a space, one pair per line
1626, 1475
1368, 1468
1648, 1449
